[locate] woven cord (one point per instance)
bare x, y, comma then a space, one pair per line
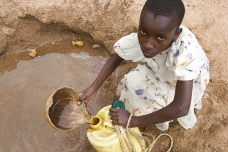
126, 133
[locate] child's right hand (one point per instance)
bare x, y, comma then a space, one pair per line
86, 95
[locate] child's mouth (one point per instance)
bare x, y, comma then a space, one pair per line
147, 53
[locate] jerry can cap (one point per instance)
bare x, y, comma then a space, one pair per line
118, 104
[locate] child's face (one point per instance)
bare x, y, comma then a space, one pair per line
156, 34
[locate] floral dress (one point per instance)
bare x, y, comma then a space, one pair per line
151, 85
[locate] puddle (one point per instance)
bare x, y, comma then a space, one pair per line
26, 84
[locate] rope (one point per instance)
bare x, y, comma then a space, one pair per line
125, 134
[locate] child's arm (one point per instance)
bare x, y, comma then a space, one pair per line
178, 108
108, 68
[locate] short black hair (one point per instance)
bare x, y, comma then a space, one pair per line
168, 8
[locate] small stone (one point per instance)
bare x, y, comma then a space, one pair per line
32, 53
78, 43
96, 46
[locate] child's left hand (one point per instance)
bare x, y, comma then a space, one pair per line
119, 116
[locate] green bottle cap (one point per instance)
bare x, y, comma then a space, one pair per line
118, 104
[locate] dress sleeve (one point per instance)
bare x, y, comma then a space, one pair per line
128, 48
185, 58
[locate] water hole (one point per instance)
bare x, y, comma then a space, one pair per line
26, 84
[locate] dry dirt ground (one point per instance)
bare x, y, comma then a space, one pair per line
27, 24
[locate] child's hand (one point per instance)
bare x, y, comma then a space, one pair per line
119, 117
86, 95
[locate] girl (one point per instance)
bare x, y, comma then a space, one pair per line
172, 71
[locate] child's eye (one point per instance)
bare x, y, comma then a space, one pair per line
160, 38
143, 32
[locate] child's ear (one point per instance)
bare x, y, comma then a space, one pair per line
177, 33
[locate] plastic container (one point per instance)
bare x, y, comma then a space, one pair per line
63, 113
103, 136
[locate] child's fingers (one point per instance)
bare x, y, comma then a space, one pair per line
84, 97
81, 101
87, 103
88, 98
113, 110
80, 94
81, 98
113, 113
115, 122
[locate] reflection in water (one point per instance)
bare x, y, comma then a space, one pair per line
9, 62
25, 89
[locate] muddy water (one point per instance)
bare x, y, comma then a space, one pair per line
26, 84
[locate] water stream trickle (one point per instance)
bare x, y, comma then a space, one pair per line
66, 114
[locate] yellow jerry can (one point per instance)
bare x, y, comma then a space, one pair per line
103, 136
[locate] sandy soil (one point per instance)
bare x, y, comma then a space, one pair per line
26, 24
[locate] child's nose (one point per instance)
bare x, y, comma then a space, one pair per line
148, 44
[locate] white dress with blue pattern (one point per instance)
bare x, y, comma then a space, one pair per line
151, 85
